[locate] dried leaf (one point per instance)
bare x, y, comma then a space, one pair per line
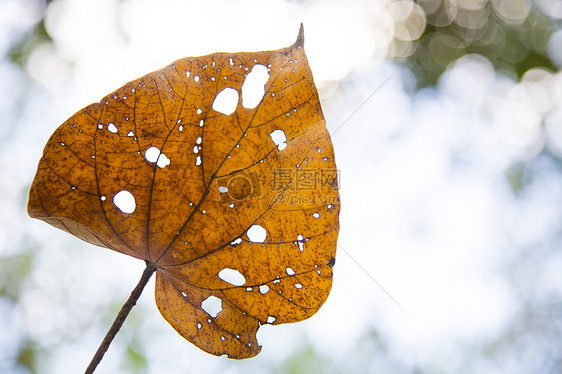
238, 211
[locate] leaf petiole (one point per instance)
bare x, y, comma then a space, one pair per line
121, 316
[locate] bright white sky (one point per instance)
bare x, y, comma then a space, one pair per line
426, 208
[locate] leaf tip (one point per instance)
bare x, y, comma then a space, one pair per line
300, 38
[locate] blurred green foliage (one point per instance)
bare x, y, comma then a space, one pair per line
452, 31
28, 356
369, 354
519, 177
16, 269
135, 357
22, 47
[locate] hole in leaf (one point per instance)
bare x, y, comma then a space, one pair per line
232, 276
256, 234
130, 133
298, 285
199, 326
264, 288
271, 319
151, 154
163, 161
226, 101
290, 271
236, 241
111, 128
212, 305
316, 215
253, 88
223, 189
279, 138
125, 201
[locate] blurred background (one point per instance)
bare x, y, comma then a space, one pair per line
446, 118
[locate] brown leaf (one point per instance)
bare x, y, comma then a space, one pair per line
241, 224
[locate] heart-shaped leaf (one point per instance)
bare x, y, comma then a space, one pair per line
232, 198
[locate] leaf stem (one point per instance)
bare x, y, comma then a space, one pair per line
123, 313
